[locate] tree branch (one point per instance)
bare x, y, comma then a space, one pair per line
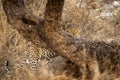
23, 21
55, 38
16, 10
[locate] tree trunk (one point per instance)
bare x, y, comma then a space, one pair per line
27, 24
55, 38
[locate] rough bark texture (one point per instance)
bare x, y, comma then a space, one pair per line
81, 52
23, 21
54, 36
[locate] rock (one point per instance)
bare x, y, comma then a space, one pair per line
116, 3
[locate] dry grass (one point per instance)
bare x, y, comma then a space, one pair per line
80, 22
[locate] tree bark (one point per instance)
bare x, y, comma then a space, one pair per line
55, 38
27, 24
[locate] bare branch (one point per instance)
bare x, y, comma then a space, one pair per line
16, 10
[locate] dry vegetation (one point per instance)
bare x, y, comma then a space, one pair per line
19, 59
